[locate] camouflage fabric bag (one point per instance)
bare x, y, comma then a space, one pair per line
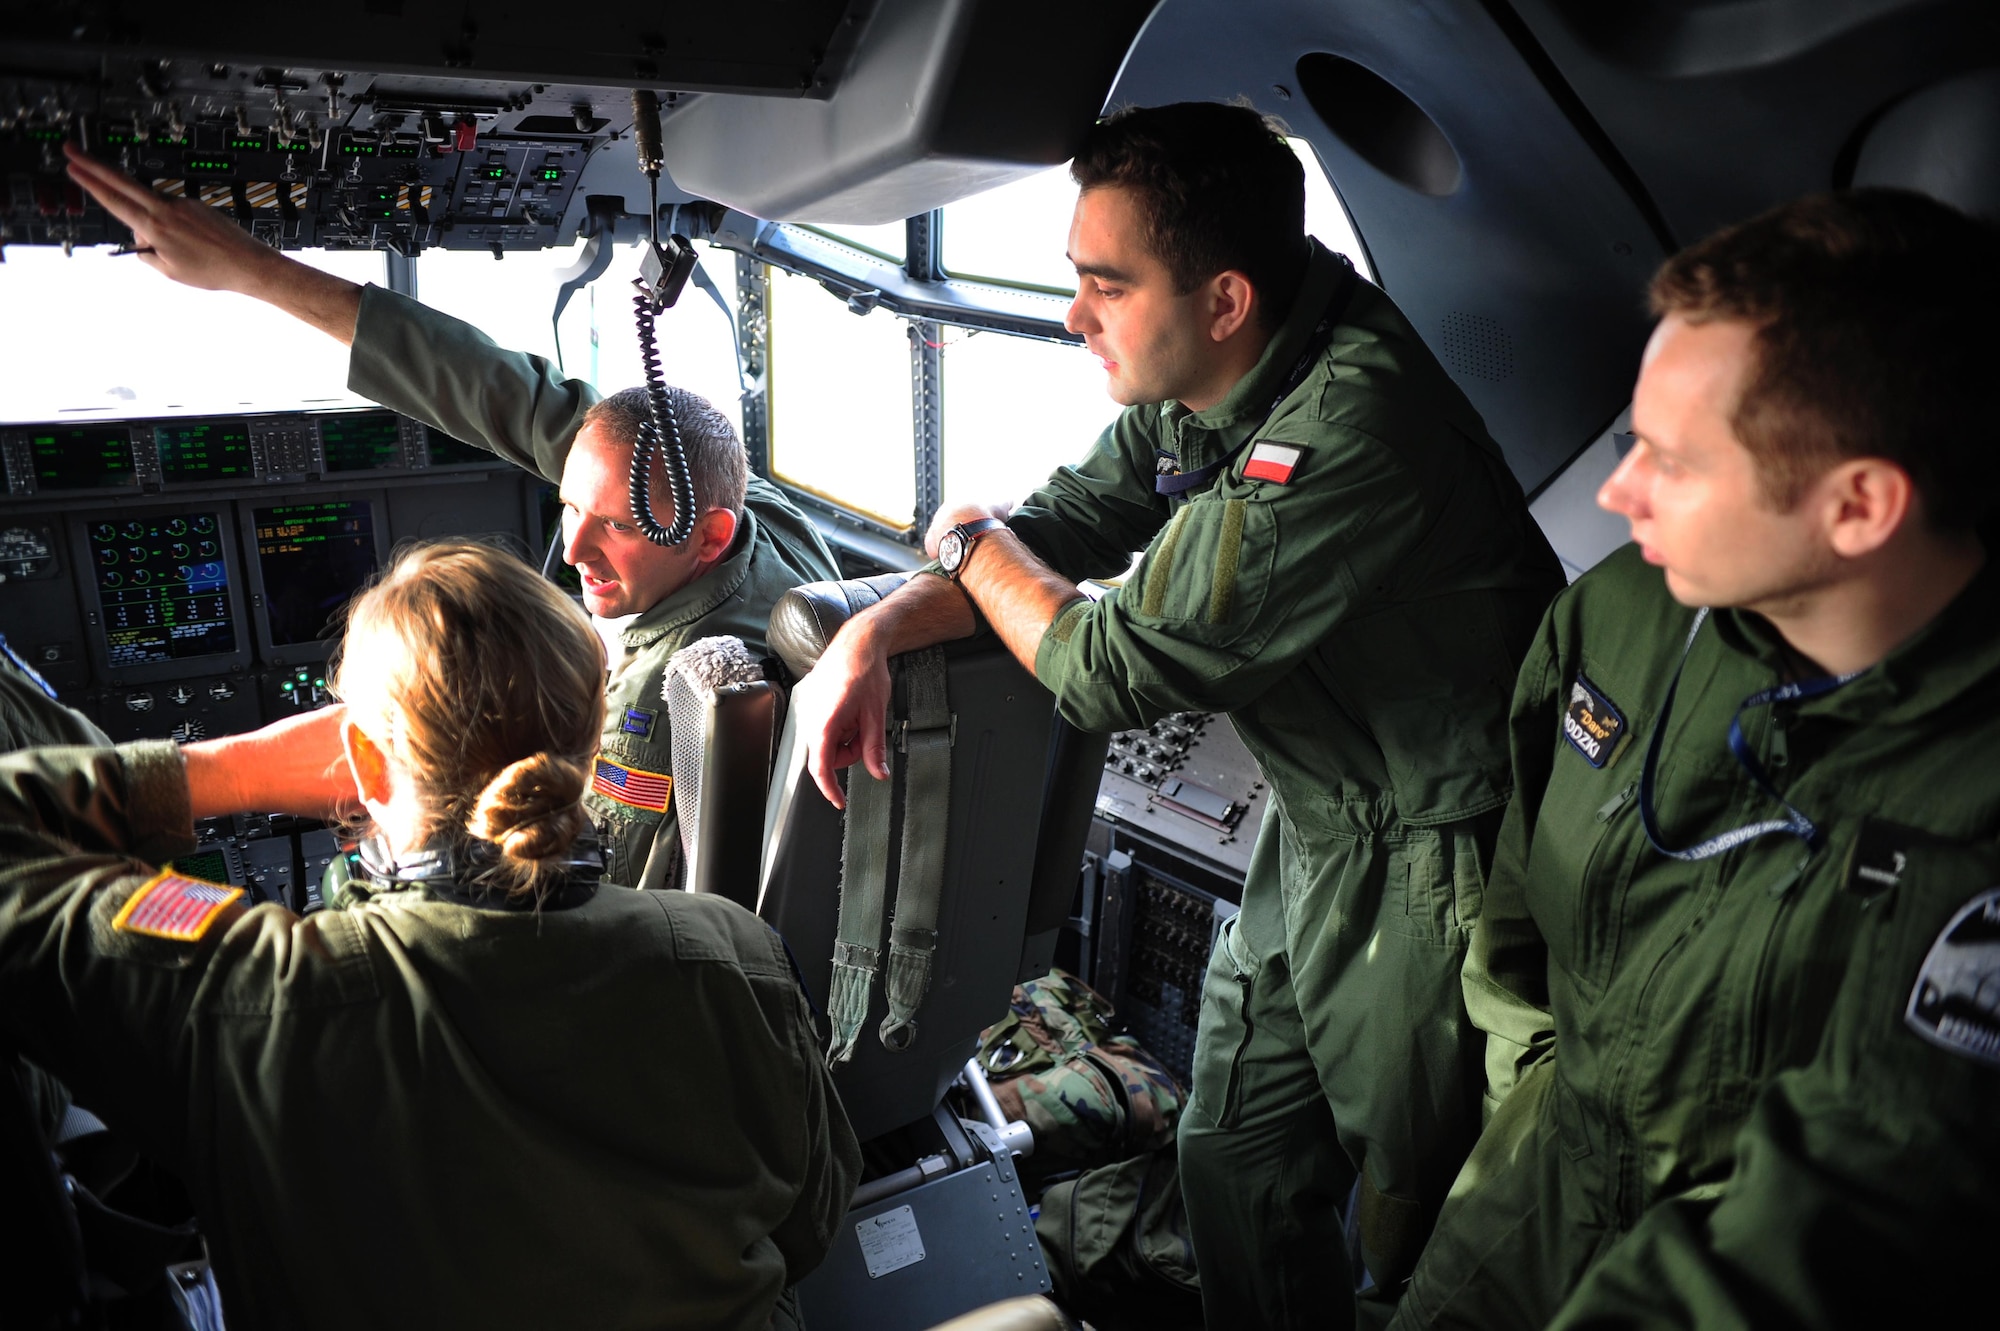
1117, 1243
1092, 1097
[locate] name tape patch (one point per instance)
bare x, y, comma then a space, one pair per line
1956, 1001
629, 785
170, 906
1591, 724
1272, 462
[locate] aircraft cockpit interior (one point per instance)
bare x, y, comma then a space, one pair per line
847, 223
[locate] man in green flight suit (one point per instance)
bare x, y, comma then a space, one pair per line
1337, 556
749, 546
1740, 958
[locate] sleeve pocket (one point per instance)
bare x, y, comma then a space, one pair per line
1211, 565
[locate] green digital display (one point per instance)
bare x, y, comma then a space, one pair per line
361, 443
211, 866
252, 144
399, 149
203, 450
83, 459
215, 165
496, 173
551, 173
356, 148
446, 451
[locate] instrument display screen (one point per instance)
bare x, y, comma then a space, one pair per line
86, 458
313, 558
163, 586
203, 450
449, 452
362, 442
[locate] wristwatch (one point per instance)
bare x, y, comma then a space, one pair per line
956, 544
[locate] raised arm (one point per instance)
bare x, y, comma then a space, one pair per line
200, 247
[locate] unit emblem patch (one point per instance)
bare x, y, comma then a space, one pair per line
1956, 1001
1591, 724
629, 785
1271, 462
639, 721
170, 906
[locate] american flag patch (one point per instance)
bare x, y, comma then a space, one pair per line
1271, 462
629, 785
170, 906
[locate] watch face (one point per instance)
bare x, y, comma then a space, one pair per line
951, 549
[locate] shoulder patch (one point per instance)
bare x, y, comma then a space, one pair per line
630, 785
639, 721
170, 906
1956, 1002
1592, 723
1272, 462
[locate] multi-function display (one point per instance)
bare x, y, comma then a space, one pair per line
203, 450
361, 442
446, 451
313, 558
91, 458
163, 585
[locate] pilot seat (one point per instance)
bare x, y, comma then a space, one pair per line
986, 816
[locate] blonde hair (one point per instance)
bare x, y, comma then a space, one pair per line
484, 682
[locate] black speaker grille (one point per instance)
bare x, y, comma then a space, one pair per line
1477, 347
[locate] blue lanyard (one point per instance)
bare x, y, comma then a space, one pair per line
24, 667
1793, 824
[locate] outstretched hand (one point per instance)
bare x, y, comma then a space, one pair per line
195, 245
202, 247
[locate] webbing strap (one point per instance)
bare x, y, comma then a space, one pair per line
926, 744
864, 886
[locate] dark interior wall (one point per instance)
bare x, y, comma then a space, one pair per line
1726, 110
1526, 277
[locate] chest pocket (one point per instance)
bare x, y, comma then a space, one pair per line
1211, 565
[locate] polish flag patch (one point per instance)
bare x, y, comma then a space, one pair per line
1271, 462
170, 906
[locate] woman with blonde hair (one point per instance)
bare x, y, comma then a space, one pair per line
483, 1092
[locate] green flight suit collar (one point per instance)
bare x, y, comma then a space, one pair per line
1208, 434
1955, 652
700, 596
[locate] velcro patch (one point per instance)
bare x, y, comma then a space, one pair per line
170, 906
639, 721
1591, 724
629, 785
1956, 1001
1271, 462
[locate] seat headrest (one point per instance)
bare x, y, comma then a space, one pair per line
806, 618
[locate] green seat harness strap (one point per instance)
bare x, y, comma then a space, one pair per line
922, 755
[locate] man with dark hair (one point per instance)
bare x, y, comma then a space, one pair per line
1738, 962
749, 545
1336, 555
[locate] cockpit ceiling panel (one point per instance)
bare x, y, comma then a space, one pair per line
788, 48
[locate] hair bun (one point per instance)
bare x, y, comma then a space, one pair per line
533, 809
